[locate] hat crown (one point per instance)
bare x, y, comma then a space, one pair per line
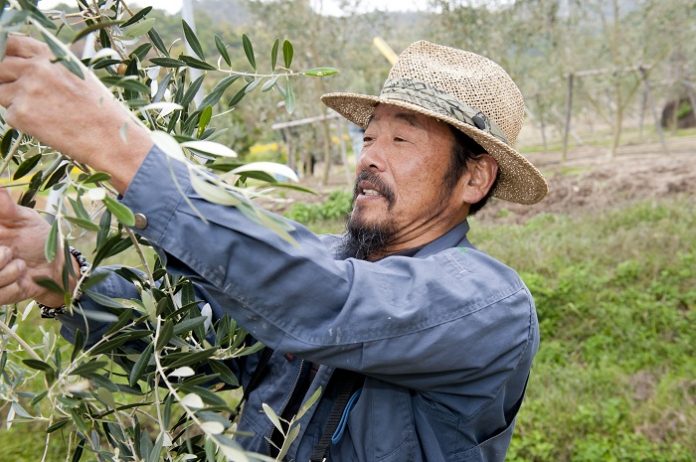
467, 77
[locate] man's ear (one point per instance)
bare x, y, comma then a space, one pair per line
479, 178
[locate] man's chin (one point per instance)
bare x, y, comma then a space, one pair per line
360, 217
364, 239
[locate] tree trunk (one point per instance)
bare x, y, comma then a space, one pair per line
569, 107
327, 151
656, 117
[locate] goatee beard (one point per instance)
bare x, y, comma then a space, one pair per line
365, 241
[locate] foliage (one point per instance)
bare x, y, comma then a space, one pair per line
337, 206
613, 379
144, 389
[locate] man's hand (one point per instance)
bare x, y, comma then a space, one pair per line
23, 233
78, 117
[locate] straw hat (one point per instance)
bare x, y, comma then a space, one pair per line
466, 90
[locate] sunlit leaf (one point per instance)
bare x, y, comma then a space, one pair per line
192, 401
137, 16
321, 71
274, 54
192, 91
289, 98
167, 62
168, 144
288, 52
37, 364
222, 49
214, 428
216, 93
120, 211
140, 365
140, 28
196, 63
289, 439
82, 223
105, 53
248, 50
51, 244
165, 335
270, 83
272, 416
204, 120
96, 177
209, 147
157, 41
94, 27
213, 193
192, 40
26, 166
182, 372
272, 168
164, 108
95, 194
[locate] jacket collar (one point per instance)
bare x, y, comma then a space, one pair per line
455, 237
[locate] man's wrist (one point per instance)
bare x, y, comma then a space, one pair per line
121, 152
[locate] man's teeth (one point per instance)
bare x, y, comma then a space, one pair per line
370, 192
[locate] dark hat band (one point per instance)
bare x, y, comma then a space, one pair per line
430, 98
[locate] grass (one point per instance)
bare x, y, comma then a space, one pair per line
616, 298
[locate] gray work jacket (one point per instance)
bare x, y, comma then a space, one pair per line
445, 338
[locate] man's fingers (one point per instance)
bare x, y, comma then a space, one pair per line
8, 209
5, 255
8, 93
12, 272
25, 47
12, 293
11, 68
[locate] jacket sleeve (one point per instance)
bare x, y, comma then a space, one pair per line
421, 322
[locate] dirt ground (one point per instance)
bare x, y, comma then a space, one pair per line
589, 180
592, 181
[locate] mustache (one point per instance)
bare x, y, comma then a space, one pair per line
379, 185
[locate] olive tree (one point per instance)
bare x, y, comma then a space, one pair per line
149, 388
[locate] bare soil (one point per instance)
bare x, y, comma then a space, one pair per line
589, 180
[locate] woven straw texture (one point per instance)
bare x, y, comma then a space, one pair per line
466, 90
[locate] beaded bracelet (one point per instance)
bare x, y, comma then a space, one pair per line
49, 312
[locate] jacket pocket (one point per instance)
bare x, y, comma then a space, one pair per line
491, 450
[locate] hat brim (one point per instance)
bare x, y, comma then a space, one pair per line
519, 181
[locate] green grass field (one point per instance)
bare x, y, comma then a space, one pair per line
616, 296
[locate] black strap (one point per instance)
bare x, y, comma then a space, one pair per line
346, 383
258, 374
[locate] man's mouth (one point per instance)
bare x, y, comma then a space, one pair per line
365, 188
370, 187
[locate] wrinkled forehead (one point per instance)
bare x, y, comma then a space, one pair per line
387, 113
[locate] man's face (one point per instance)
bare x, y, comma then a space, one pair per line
400, 185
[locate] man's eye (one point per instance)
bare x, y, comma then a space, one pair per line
399, 139
367, 139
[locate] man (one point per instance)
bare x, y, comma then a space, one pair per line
429, 341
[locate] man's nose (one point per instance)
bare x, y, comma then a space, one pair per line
372, 157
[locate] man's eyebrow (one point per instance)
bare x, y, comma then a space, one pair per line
411, 119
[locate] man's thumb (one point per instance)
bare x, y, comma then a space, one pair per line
7, 205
